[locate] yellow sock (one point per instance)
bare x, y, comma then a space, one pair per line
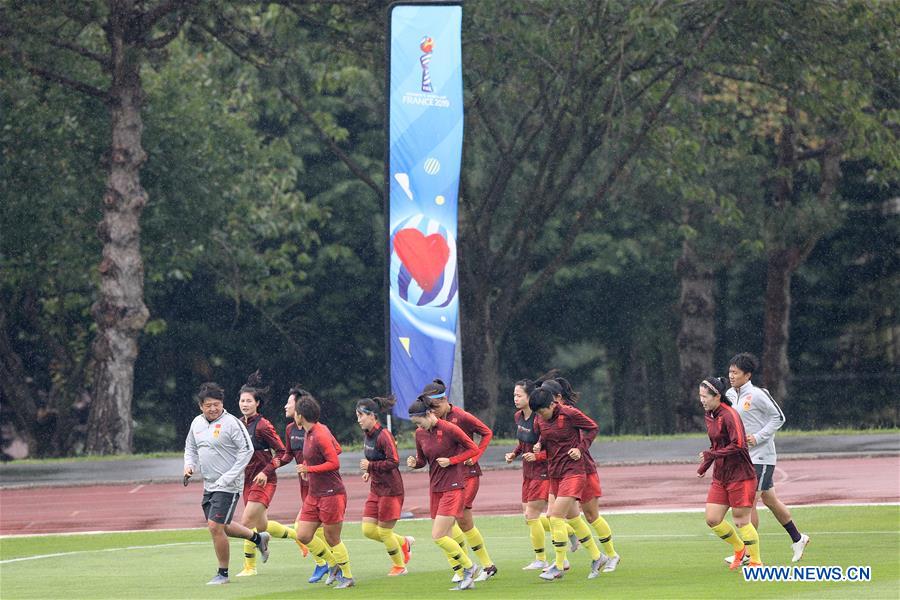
454, 552
249, 555
280, 531
605, 535
545, 523
390, 543
585, 536
400, 539
370, 530
750, 537
725, 531
538, 539
321, 551
458, 536
320, 533
342, 558
476, 543
560, 540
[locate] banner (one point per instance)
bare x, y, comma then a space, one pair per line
425, 134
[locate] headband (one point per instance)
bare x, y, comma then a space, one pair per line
364, 410
436, 396
711, 387
418, 414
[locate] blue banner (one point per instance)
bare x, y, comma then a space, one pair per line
424, 155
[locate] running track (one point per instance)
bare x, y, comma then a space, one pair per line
644, 487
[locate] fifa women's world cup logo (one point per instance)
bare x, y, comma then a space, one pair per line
426, 45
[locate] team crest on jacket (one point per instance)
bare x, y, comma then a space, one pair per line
746, 403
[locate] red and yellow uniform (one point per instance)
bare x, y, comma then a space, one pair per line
566, 428
327, 498
535, 476
734, 478
267, 451
386, 485
446, 484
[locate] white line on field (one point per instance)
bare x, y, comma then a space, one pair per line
57, 554
136, 489
645, 511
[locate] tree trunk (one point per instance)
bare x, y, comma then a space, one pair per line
696, 339
775, 365
120, 312
481, 359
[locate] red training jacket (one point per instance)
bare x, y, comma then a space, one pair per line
527, 437
444, 440
384, 462
728, 447
471, 424
567, 428
267, 448
321, 456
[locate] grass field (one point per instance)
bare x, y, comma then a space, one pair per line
664, 555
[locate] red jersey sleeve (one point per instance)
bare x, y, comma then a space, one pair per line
460, 436
268, 433
329, 451
520, 449
286, 455
421, 461
587, 429
481, 429
386, 444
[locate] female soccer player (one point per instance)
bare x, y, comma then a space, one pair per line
380, 467
435, 396
260, 480
294, 437
444, 447
734, 478
565, 434
564, 393
327, 499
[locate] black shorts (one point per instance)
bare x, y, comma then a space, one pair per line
764, 475
219, 506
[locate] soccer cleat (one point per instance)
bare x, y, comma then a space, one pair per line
597, 564
799, 547
397, 571
344, 582
536, 565
566, 566
738, 558
573, 542
263, 545
487, 573
320, 572
303, 549
457, 577
406, 548
333, 573
744, 562
611, 563
217, 580
470, 575
247, 572
552, 573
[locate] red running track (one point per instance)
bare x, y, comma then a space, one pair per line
670, 486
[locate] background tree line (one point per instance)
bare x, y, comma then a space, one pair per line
191, 190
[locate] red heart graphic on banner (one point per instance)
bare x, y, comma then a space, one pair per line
424, 257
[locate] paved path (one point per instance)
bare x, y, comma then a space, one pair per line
167, 470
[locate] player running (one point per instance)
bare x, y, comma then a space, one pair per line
380, 468
444, 447
734, 479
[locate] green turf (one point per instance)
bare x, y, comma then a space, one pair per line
664, 555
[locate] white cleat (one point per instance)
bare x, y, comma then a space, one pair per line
566, 566
537, 565
799, 547
611, 564
263, 545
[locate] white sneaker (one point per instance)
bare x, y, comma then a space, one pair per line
487, 573
798, 547
744, 562
217, 580
552, 573
537, 565
611, 564
263, 545
457, 577
596, 565
566, 565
